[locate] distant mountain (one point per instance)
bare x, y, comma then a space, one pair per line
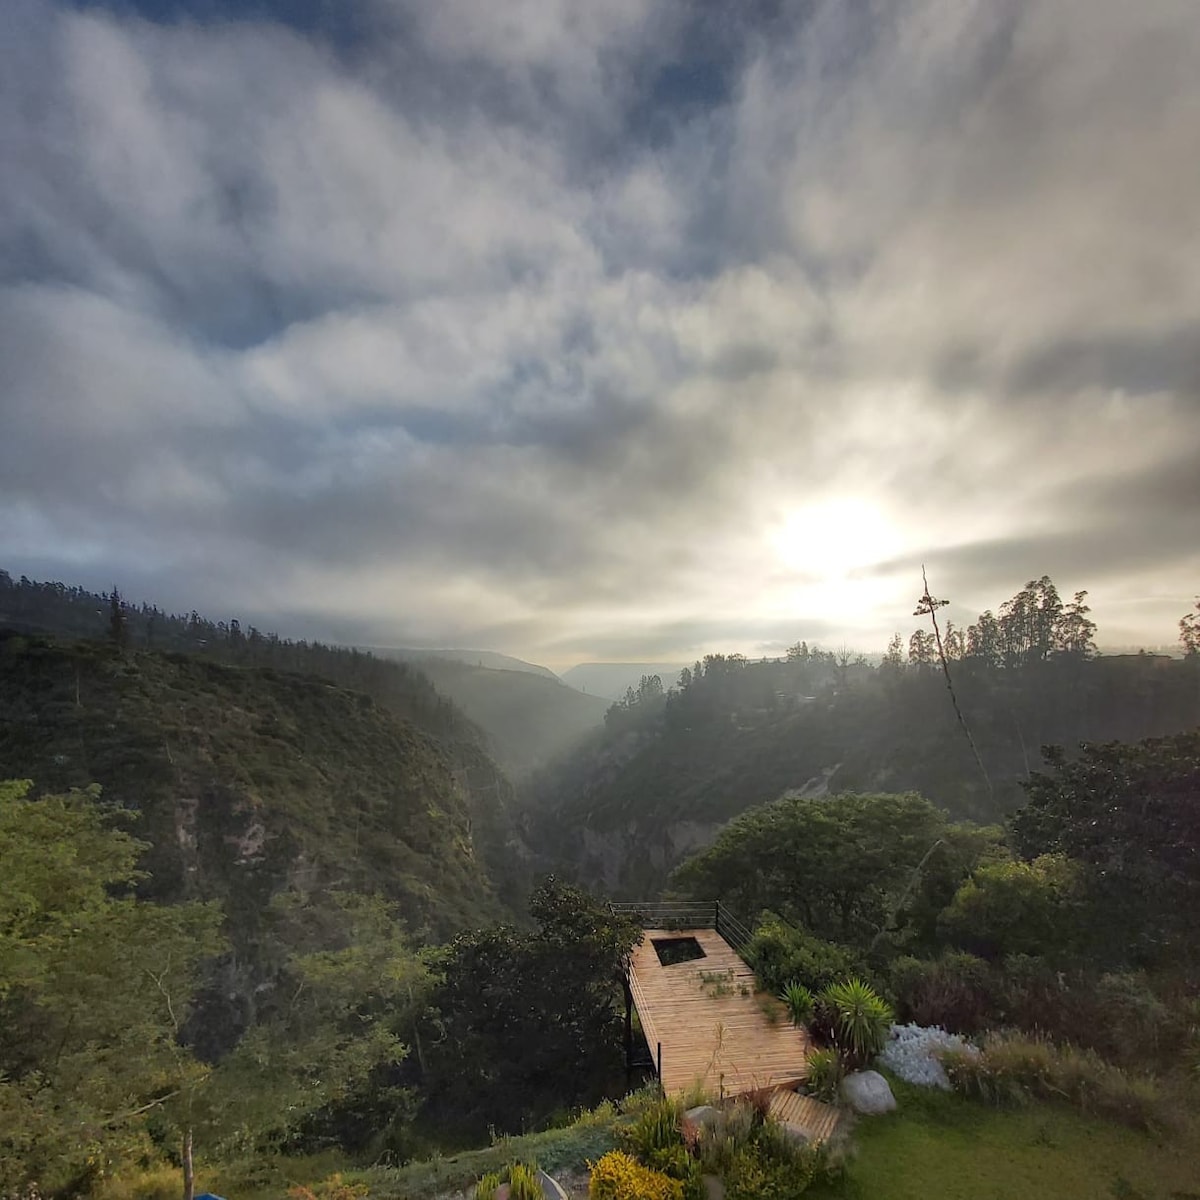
611, 679
475, 658
529, 719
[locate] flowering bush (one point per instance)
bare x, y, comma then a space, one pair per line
617, 1176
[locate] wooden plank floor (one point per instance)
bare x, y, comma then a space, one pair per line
817, 1121
724, 1041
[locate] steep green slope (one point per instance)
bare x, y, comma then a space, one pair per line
247, 780
528, 719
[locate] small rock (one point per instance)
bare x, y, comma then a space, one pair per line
867, 1092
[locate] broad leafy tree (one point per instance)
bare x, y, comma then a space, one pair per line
1131, 814
93, 986
839, 866
1016, 908
530, 1021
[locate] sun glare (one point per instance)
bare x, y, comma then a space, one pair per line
833, 537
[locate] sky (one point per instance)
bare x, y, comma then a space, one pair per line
616, 331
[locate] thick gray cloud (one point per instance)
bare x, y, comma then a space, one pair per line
622, 330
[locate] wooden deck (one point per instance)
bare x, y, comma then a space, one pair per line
818, 1122
710, 1031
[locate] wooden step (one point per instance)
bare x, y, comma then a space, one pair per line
815, 1120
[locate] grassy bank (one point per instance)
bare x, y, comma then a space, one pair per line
954, 1149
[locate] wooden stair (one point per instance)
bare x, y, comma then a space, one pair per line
815, 1120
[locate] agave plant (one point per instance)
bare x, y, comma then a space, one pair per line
860, 1018
800, 1003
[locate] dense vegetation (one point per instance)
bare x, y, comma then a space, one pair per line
250, 780
108, 1062
272, 930
1075, 923
674, 764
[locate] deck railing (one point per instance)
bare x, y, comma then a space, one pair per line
689, 914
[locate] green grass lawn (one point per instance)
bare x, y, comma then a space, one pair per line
941, 1147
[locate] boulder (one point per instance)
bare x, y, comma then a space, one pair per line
867, 1092
703, 1115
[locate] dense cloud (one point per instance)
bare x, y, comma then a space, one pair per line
617, 330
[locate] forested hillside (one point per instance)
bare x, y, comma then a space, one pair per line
673, 765
529, 719
249, 780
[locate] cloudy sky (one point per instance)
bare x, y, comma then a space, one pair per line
619, 330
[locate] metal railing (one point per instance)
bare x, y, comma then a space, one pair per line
688, 914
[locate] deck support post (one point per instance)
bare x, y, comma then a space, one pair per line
717, 915
661, 1090
628, 1025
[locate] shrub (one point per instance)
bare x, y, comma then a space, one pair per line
825, 1074
799, 1001
487, 1187
1010, 1069
617, 1176
859, 1018
755, 1159
1016, 908
780, 953
523, 1182
655, 1128
719, 1143
955, 991
333, 1188
780, 1168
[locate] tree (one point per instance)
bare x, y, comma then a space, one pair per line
1076, 633
1189, 631
922, 649
893, 659
93, 986
984, 640
333, 1036
1131, 814
834, 865
1015, 908
529, 1021
118, 628
1030, 622
955, 642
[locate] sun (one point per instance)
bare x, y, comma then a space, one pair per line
833, 537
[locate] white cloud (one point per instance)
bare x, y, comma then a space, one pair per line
367, 333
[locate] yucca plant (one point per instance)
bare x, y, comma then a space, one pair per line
860, 1018
799, 1001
